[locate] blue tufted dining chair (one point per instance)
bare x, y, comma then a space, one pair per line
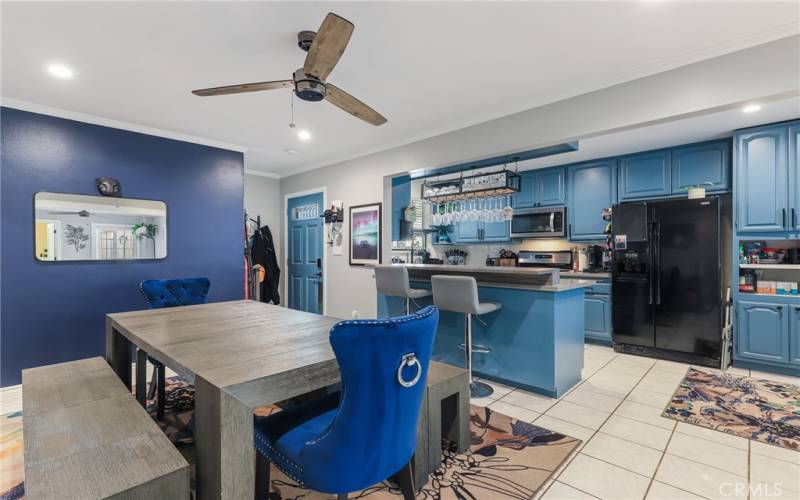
169, 293
338, 445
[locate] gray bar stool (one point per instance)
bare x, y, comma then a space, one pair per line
460, 294
393, 281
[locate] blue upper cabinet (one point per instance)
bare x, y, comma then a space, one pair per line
481, 232
467, 232
762, 331
550, 187
645, 175
542, 188
762, 177
496, 232
592, 187
793, 221
701, 164
525, 197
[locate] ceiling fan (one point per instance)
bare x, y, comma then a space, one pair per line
324, 48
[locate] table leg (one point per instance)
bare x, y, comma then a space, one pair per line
118, 354
141, 377
448, 416
419, 462
224, 444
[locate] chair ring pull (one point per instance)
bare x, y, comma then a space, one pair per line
409, 360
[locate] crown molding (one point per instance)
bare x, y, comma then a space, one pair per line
107, 122
261, 173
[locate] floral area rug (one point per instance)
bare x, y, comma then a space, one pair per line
751, 408
507, 458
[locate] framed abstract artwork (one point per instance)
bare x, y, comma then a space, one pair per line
365, 234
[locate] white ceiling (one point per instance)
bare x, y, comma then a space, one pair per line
673, 133
430, 68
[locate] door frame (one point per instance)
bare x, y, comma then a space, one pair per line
56, 241
286, 198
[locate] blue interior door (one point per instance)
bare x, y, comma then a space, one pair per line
305, 253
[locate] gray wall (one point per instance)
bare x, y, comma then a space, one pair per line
262, 197
765, 72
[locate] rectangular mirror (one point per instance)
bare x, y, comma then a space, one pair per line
79, 227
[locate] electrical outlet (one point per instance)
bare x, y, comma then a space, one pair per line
354, 314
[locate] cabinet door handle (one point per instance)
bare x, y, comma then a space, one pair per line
794, 218
783, 217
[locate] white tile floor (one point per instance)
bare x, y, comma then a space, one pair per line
629, 451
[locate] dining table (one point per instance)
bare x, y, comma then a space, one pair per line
240, 355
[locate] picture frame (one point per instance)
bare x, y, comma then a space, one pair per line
365, 234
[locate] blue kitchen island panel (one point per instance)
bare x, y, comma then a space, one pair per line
536, 337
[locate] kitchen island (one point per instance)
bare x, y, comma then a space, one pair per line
536, 338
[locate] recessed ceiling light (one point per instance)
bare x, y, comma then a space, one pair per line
751, 108
60, 71
291, 151
304, 135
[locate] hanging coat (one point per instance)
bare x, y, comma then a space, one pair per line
263, 253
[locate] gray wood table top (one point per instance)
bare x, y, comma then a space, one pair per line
241, 355
230, 344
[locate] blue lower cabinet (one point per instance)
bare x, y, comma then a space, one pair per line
762, 331
645, 175
794, 336
707, 164
592, 188
597, 321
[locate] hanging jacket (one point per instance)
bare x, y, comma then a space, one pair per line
263, 253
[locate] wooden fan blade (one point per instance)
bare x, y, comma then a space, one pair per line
328, 46
346, 102
244, 87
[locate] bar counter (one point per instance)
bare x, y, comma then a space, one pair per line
536, 338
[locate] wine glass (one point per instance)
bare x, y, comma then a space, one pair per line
446, 218
436, 219
508, 211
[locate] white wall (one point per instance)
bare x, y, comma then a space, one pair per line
262, 197
766, 72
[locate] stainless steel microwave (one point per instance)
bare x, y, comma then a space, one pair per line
539, 223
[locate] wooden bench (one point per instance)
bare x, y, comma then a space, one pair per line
444, 414
86, 437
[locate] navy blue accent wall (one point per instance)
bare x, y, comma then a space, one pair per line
55, 311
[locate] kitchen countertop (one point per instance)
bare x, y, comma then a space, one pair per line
483, 269
543, 279
586, 274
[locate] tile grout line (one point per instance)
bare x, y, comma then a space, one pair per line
577, 452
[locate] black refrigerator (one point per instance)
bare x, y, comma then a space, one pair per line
670, 268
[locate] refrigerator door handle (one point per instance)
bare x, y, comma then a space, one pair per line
657, 261
651, 233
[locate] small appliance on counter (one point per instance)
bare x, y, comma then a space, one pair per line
594, 258
561, 259
506, 258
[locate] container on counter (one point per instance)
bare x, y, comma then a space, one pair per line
786, 288
747, 281
767, 287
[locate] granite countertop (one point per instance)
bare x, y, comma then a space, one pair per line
483, 269
544, 279
586, 274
